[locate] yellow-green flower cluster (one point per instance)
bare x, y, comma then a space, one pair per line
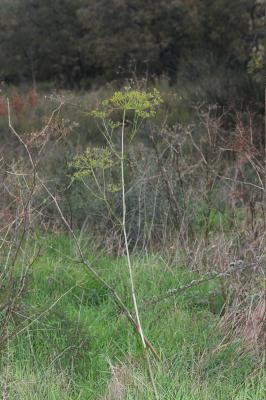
113, 188
144, 104
93, 158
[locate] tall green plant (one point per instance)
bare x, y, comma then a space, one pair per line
112, 114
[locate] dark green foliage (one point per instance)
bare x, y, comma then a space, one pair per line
39, 41
86, 41
148, 35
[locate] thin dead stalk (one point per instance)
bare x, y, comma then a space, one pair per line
195, 282
32, 188
92, 270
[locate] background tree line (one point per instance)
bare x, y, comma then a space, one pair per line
75, 43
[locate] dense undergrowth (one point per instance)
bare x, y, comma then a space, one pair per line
132, 200
77, 345
194, 162
194, 219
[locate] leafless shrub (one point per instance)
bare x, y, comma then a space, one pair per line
20, 214
213, 177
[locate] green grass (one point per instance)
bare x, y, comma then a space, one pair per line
70, 345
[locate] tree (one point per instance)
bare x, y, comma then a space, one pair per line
38, 40
150, 35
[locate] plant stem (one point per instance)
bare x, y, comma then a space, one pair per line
133, 293
94, 272
125, 235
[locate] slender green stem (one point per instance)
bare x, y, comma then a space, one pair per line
133, 293
125, 235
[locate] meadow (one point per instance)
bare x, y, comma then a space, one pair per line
132, 246
132, 200
76, 344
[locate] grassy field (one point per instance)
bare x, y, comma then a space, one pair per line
77, 345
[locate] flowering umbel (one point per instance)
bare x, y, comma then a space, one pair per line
144, 104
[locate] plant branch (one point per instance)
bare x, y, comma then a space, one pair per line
195, 282
91, 269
